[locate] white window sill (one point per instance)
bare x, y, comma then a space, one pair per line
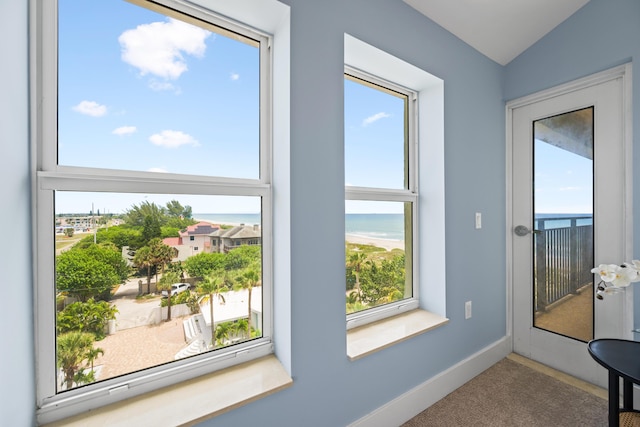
192, 401
368, 339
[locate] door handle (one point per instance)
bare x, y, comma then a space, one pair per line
522, 230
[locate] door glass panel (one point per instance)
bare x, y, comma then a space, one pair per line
563, 214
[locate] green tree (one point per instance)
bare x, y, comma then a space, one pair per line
90, 316
355, 261
161, 254
135, 216
204, 263
110, 254
383, 282
151, 228
222, 332
82, 276
93, 354
176, 210
240, 328
243, 257
72, 349
168, 279
120, 236
213, 285
248, 279
144, 259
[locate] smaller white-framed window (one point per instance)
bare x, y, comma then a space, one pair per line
381, 206
429, 269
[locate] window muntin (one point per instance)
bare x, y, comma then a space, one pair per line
381, 198
56, 183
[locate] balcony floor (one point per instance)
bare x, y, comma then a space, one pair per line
571, 316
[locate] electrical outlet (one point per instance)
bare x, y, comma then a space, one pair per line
467, 310
478, 220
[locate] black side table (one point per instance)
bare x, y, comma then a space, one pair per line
622, 359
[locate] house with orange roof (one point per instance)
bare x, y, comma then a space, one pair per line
192, 240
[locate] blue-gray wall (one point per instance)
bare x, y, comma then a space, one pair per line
16, 316
329, 390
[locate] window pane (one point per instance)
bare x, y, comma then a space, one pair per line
378, 253
120, 256
563, 250
141, 91
375, 136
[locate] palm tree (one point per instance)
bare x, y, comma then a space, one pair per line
143, 259
241, 328
356, 259
168, 279
213, 285
247, 280
161, 254
222, 332
72, 349
93, 354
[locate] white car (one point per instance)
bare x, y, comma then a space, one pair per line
177, 288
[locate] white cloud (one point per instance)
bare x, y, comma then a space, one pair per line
158, 86
172, 139
235, 76
570, 189
91, 108
124, 130
159, 170
374, 118
158, 48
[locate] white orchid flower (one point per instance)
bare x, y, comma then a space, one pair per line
634, 266
618, 275
607, 272
615, 277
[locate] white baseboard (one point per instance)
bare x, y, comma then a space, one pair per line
416, 400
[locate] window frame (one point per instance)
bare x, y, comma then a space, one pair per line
48, 176
408, 194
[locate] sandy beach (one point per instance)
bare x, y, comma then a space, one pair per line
381, 243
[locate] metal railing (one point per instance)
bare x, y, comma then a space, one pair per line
563, 258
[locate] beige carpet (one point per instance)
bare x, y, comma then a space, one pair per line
512, 394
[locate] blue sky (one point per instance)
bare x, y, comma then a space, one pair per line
141, 91
563, 181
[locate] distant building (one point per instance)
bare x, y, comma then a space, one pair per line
226, 240
206, 237
192, 241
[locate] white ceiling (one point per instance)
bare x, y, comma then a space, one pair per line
499, 29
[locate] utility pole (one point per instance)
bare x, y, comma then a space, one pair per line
93, 220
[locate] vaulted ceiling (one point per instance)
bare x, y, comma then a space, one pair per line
499, 29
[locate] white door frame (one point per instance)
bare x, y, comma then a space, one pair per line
621, 72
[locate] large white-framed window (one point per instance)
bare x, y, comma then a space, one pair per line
381, 207
151, 116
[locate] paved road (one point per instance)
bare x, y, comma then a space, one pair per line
132, 312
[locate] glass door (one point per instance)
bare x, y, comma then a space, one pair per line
568, 211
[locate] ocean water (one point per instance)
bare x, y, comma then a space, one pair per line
230, 219
554, 220
379, 226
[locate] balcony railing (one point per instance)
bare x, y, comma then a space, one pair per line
563, 257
